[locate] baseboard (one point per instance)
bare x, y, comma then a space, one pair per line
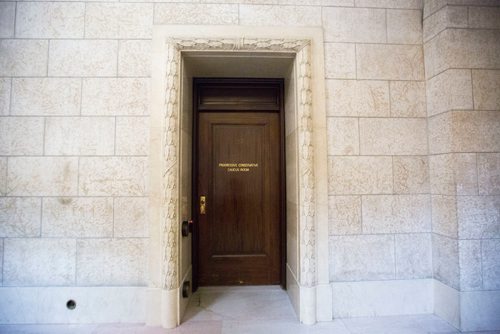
447, 303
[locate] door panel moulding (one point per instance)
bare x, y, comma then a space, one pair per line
308, 287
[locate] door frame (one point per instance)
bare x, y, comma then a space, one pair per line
308, 283
194, 183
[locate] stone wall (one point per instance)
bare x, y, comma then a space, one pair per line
462, 60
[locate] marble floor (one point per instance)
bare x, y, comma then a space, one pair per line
250, 310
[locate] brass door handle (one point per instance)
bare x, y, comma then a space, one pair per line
202, 205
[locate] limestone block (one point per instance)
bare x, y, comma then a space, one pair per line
404, 26
450, 90
393, 136
479, 310
21, 136
183, 13
413, 256
83, 58
261, 15
358, 98
396, 213
3, 176
444, 215
20, 217
411, 174
1, 262
341, 24
39, 262
476, 131
440, 133
7, 19
445, 260
359, 175
344, 3
23, 57
408, 99
343, 136
453, 174
484, 17
340, 61
488, 165
131, 217
114, 262
491, 264
46, 96
344, 215
113, 176
43, 176
431, 6
119, 20
50, 19
132, 135
134, 58
446, 17
5, 85
77, 217
470, 265
486, 85
462, 48
79, 135
478, 217
116, 96
361, 257
409, 4
389, 62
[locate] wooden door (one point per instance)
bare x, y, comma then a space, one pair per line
239, 183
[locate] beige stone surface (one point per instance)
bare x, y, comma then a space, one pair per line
131, 217
40, 262
411, 174
180, 13
445, 260
444, 215
21, 136
79, 135
346, 3
408, 98
359, 175
114, 262
393, 136
475, 131
113, 176
491, 264
344, 215
396, 213
134, 58
453, 174
86, 58
74, 217
3, 176
135, 128
279, 15
43, 176
358, 98
116, 96
488, 169
478, 217
449, 90
50, 19
46, 96
486, 84
23, 57
447, 17
1, 262
413, 256
431, 6
361, 257
341, 24
484, 17
119, 20
20, 217
7, 19
440, 133
404, 26
410, 4
340, 60
343, 136
5, 85
389, 62
470, 265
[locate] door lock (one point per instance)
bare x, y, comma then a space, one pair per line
202, 205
